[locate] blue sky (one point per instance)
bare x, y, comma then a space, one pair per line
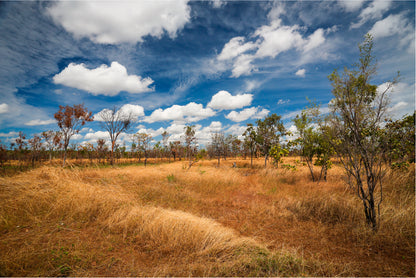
215, 64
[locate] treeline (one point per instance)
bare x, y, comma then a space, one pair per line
267, 138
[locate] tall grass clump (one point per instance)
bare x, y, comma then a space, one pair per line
327, 208
60, 222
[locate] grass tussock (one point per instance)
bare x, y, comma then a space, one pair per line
168, 220
330, 209
45, 211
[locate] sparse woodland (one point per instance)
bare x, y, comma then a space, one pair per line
335, 199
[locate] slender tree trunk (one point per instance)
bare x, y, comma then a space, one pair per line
310, 166
251, 157
112, 152
65, 149
323, 173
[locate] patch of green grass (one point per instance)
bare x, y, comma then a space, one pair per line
171, 178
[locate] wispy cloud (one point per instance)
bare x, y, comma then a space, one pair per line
268, 42
40, 122
9, 134
374, 10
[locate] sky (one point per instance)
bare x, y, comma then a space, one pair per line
217, 65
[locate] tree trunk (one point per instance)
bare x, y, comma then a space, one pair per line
65, 149
112, 153
310, 166
251, 157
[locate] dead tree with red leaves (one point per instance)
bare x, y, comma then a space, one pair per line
70, 120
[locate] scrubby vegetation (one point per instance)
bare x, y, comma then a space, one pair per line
166, 219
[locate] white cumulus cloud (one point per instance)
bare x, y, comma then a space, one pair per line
261, 113
223, 100
301, 73
237, 130
113, 22
97, 135
248, 113
151, 131
277, 39
192, 112
175, 129
243, 66
204, 134
126, 110
4, 108
103, 80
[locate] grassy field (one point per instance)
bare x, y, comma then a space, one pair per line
206, 221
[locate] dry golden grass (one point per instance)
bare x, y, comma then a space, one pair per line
206, 221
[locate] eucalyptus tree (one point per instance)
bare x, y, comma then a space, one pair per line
269, 132
70, 119
101, 149
143, 144
399, 141
21, 143
358, 114
115, 122
176, 149
217, 145
190, 140
52, 140
165, 138
35, 144
250, 141
307, 138
312, 140
236, 146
